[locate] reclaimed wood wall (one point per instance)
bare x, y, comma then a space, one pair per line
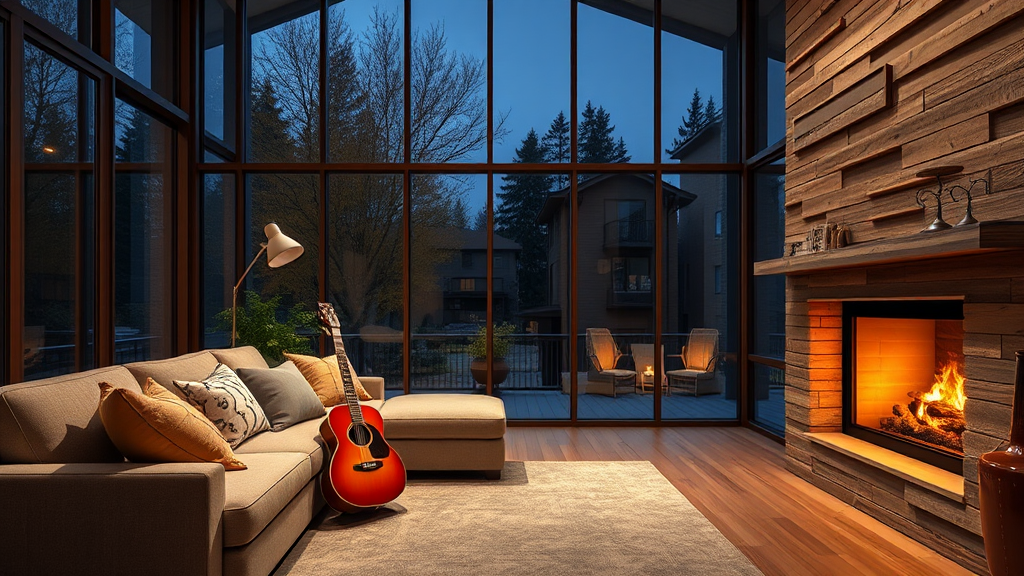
879, 90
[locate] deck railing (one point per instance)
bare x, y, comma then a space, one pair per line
440, 362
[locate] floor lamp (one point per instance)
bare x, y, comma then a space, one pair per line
280, 250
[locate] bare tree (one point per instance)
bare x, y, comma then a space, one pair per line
365, 123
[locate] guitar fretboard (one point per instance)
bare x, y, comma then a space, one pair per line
346, 377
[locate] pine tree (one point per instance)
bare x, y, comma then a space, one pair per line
521, 198
621, 155
711, 112
556, 144
694, 115
596, 144
698, 115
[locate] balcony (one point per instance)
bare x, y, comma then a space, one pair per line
630, 298
627, 233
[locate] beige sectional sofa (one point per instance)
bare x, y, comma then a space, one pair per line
71, 504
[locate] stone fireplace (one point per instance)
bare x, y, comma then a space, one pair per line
912, 317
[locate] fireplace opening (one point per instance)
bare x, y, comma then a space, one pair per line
903, 383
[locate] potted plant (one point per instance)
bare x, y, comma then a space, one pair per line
477, 350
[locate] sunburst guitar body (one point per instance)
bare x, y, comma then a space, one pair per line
363, 471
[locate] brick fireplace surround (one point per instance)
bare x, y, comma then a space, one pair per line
935, 507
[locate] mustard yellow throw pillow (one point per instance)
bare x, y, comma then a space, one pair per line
160, 427
324, 376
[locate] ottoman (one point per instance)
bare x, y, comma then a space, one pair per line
447, 431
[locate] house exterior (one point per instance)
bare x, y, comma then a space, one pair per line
706, 277
616, 236
463, 279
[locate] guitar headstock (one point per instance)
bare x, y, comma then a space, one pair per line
326, 315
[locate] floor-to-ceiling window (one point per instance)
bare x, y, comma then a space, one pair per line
96, 158
766, 183
498, 184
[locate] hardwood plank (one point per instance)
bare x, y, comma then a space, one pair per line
739, 481
897, 213
865, 87
1008, 121
963, 107
878, 101
829, 33
946, 141
885, 21
995, 66
964, 30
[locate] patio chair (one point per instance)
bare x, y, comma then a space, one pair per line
643, 356
604, 360
699, 356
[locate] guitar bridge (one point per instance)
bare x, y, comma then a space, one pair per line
368, 466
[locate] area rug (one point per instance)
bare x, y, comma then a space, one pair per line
559, 518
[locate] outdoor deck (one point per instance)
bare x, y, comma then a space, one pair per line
554, 405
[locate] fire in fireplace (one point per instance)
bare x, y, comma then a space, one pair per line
903, 377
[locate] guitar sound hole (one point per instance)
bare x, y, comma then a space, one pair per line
359, 434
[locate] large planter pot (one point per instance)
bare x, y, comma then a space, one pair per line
478, 368
1002, 492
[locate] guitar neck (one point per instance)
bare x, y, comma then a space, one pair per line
346, 377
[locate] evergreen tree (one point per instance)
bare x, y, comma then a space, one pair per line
270, 140
621, 155
698, 115
521, 198
694, 116
556, 144
711, 111
596, 143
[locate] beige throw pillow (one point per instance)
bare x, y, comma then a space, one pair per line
160, 427
324, 376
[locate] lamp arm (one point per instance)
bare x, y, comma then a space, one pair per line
234, 291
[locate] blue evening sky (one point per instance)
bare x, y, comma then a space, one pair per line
531, 67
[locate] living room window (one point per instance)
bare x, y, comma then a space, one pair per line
387, 137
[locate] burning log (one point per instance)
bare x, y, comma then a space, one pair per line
905, 423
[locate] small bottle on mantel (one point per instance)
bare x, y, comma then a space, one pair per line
1002, 492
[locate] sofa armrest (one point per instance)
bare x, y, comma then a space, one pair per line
374, 386
111, 518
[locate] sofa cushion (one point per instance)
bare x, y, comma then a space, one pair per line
283, 393
194, 366
56, 420
224, 399
375, 404
443, 416
303, 437
253, 497
324, 376
160, 427
241, 357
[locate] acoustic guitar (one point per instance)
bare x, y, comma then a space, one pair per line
363, 471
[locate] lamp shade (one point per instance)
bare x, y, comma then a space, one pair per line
280, 248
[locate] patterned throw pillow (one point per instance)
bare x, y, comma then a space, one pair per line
324, 376
160, 427
224, 399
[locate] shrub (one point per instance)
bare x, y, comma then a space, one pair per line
258, 326
502, 341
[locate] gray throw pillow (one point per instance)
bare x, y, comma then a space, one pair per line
283, 393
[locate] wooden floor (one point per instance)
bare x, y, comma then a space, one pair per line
738, 479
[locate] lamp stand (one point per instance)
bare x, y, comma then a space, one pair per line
234, 291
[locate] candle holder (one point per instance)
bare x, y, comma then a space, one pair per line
937, 173
969, 216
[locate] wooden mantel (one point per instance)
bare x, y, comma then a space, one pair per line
957, 241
